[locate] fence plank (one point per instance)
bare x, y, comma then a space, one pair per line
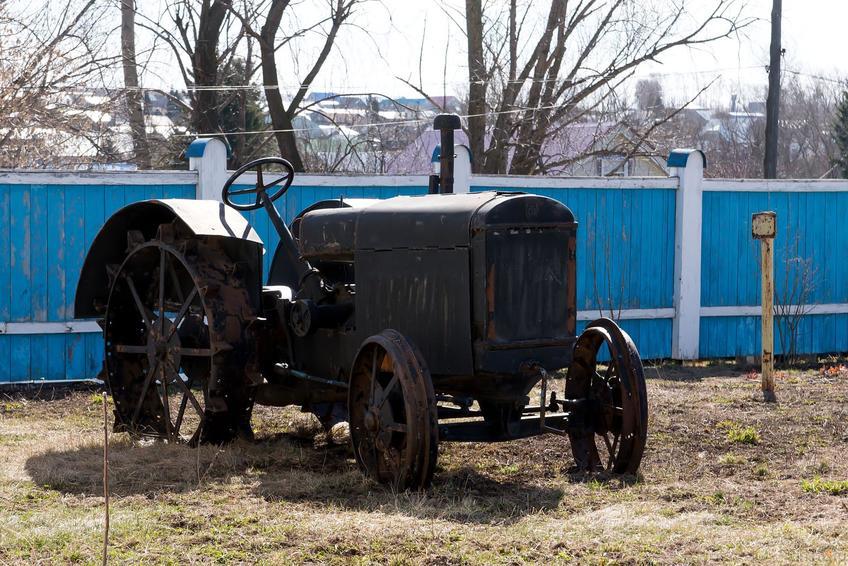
21, 291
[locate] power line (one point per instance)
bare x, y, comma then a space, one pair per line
817, 77
295, 87
372, 125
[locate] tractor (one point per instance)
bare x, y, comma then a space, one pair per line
415, 319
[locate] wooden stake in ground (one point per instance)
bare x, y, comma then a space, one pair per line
764, 229
106, 477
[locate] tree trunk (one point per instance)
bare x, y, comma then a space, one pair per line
476, 83
205, 66
280, 118
134, 97
532, 130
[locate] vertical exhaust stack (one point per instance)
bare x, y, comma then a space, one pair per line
443, 182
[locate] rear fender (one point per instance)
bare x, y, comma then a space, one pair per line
201, 218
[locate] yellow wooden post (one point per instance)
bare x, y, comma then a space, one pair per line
764, 228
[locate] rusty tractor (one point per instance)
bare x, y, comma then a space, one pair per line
416, 319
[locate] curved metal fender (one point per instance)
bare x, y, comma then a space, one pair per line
201, 217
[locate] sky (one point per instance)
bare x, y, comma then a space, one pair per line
385, 45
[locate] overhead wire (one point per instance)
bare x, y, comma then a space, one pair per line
411, 121
341, 88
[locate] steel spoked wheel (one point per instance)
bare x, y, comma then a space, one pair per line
611, 430
392, 408
166, 354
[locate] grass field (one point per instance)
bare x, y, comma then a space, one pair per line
725, 478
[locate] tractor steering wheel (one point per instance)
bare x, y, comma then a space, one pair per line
282, 180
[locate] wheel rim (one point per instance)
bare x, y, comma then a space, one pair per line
610, 437
159, 355
392, 413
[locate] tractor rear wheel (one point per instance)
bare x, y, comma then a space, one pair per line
610, 437
392, 411
175, 341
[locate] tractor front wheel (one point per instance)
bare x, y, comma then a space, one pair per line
392, 408
611, 431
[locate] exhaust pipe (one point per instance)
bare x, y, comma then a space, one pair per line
443, 182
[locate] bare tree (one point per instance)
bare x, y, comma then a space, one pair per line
271, 39
48, 55
806, 146
203, 40
734, 137
539, 79
133, 95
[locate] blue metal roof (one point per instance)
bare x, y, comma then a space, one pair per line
679, 157
198, 147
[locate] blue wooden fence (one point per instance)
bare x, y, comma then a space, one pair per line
810, 236
45, 231
626, 255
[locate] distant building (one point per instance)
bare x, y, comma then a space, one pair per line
587, 149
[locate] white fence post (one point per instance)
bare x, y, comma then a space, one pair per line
688, 166
208, 156
461, 167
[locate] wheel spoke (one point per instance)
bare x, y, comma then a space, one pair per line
166, 403
181, 412
187, 394
138, 304
396, 427
130, 349
175, 281
609, 450
183, 404
161, 292
387, 390
145, 386
182, 313
194, 351
373, 377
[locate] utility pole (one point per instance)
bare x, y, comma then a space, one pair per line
773, 100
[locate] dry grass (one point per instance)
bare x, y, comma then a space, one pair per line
296, 497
